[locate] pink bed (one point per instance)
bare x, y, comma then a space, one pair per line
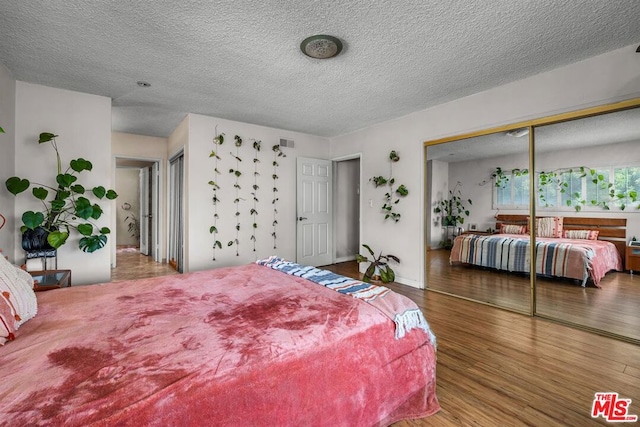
232, 346
577, 259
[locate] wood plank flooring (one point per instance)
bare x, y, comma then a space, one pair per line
615, 307
498, 368
134, 265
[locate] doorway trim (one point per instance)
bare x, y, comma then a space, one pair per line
156, 219
337, 160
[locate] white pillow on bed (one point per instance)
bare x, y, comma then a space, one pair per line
17, 298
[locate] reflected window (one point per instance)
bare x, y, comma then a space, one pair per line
627, 186
512, 190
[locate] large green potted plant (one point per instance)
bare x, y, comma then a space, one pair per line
453, 209
66, 205
378, 266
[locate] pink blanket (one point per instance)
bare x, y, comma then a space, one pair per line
233, 346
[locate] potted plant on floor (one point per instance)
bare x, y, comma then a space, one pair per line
66, 206
378, 267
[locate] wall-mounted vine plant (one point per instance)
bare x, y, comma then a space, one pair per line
556, 180
254, 212
391, 198
218, 140
237, 173
277, 152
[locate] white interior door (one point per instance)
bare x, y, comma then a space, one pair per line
314, 232
144, 211
155, 212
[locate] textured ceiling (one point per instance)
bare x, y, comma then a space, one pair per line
240, 60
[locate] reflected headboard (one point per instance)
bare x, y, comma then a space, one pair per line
613, 230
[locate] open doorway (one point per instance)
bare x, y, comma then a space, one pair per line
346, 175
137, 214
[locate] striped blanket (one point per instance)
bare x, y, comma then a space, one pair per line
504, 252
405, 314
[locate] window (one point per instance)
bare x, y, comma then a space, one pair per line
570, 189
626, 186
598, 183
512, 189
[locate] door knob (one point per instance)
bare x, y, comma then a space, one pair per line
301, 218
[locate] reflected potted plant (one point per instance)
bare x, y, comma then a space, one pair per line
66, 206
378, 266
453, 211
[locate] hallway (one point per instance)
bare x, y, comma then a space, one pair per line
134, 265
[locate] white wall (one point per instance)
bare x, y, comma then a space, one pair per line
84, 124
347, 209
602, 79
199, 193
7, 155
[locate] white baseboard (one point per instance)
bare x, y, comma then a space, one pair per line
409, 282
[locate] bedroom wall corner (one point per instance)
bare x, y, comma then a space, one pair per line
200, 171
7, 159
83, 122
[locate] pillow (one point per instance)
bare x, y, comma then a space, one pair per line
581, 234
549, 226
512, 229
7, 318
17, 297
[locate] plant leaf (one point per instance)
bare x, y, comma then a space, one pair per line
57, 238
93, 243
40, 193
17, 185
80, 165
32, 219
85, 229
46, 137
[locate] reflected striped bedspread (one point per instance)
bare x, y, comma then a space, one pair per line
568, 258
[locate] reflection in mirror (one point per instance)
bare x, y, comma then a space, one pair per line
463, 202
588, 179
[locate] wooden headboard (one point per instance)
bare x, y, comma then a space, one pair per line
613, 230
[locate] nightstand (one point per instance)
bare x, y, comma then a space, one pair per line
632, 258
45, 280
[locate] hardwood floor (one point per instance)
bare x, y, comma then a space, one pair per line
615, 307
134, 265
498, 368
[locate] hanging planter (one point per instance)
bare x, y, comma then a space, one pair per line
254, 210
218, 140
277, 152
237, 173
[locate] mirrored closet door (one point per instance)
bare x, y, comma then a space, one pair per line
463, 207
587, 181
581, 186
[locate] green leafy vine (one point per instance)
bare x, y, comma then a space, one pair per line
218, 140
277, 152
574, 199
254, 212
237, 173
391, 197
